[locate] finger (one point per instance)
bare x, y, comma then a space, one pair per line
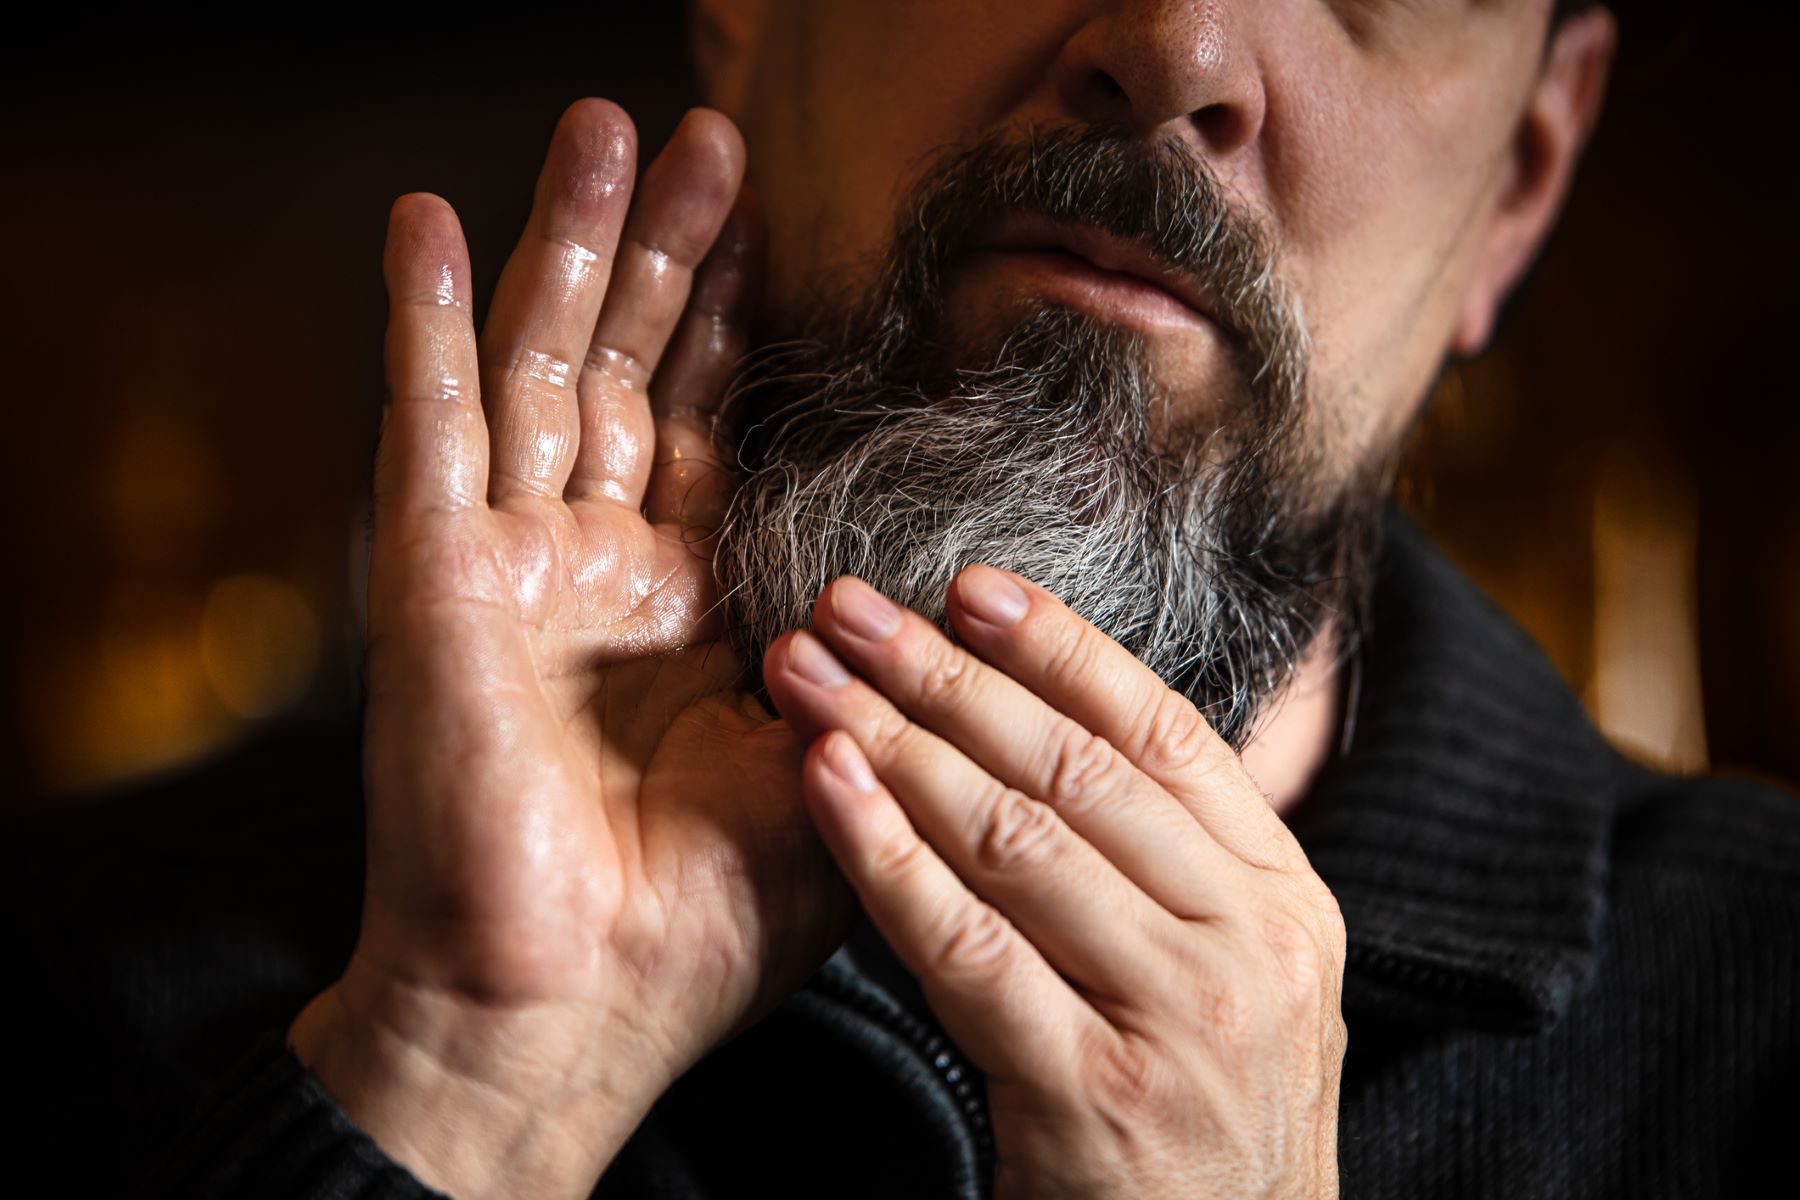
1033, 637
1026, 744
692, 477
1090, 922
992, 991
681, 204
434, 441
549, 295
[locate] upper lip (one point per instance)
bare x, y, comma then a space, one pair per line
1103, 250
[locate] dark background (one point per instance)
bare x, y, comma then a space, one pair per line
193, 313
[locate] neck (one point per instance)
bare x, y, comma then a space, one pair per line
1296, 738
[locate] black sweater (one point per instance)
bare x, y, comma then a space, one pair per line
1566, 976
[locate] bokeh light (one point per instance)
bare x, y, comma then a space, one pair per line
259, 644
196, 392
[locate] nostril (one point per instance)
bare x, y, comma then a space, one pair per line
1107, 87
1223, 127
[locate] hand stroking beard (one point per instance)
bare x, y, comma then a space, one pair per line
1205, 534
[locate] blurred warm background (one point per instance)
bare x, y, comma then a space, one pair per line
191, 232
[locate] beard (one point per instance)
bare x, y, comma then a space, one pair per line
1207, 535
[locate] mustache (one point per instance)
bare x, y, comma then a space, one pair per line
1160, 197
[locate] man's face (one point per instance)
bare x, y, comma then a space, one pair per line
1369, 137
967, 171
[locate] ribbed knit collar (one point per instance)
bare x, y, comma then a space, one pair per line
1466, 831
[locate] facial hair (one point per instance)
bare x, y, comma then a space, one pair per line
883, 445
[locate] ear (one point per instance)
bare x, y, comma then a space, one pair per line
720, 36
1559, 115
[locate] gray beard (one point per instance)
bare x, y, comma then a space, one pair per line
1203, 552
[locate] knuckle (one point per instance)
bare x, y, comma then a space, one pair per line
889, 733
1295, 950
1177, 739
683, 245
1069, 661
972, 940
944, 679
1130, 1083
1085, 764
435, 384
1337, 1036
576, 255
612, 367
1230, 1016
1330, 918
443, 390
897, 856
1277, 850
1013, 831
534, 368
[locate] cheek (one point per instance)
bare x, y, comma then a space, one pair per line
1378, 181
856, 99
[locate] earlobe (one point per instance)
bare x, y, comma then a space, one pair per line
1558, 117
1474, 324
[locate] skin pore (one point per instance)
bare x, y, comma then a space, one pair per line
1307, 110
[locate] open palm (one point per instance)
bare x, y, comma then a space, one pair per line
588, 858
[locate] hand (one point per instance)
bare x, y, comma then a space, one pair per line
588, 862
1100, 905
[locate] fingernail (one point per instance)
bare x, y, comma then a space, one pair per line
864, 611
991, 596
847, 762
814, 663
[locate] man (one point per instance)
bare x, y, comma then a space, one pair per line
1019, 636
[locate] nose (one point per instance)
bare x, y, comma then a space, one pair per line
1150, 64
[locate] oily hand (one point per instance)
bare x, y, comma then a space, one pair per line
587, 859
1100, 904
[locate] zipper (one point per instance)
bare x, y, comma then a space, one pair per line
954, 1071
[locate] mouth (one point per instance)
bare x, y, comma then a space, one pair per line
1088, 269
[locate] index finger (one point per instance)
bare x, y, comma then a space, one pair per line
991, 988
1084, 674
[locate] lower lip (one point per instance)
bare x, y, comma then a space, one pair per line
1066, 278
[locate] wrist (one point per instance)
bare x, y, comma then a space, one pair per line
474, 1105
